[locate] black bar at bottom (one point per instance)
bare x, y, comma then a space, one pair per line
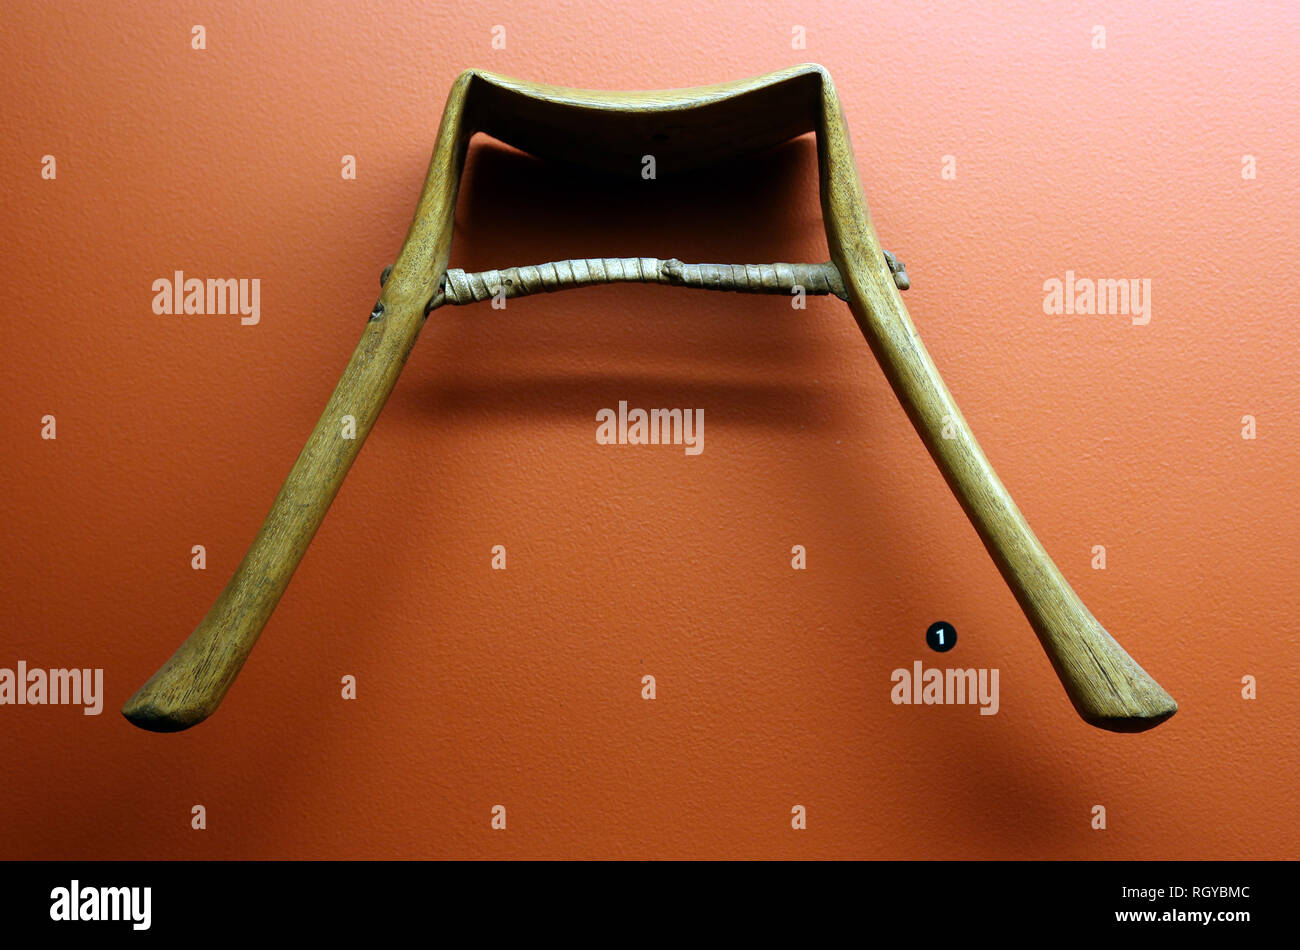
664, 901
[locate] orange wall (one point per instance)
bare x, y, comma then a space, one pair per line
523, 688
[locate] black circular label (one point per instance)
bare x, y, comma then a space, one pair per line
941, 637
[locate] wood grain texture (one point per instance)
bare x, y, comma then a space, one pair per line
191, 684
1108, 688
612, 131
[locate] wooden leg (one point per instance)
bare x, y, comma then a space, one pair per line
189, 686
1108, 688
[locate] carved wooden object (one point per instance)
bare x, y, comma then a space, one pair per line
611, 131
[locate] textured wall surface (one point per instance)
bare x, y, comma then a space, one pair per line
523, 687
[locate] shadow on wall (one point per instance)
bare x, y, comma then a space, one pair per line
747, 358
737, 353
751, 360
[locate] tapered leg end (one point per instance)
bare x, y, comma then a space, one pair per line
1108, 688
145, 711
1137, 721
1137, 711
